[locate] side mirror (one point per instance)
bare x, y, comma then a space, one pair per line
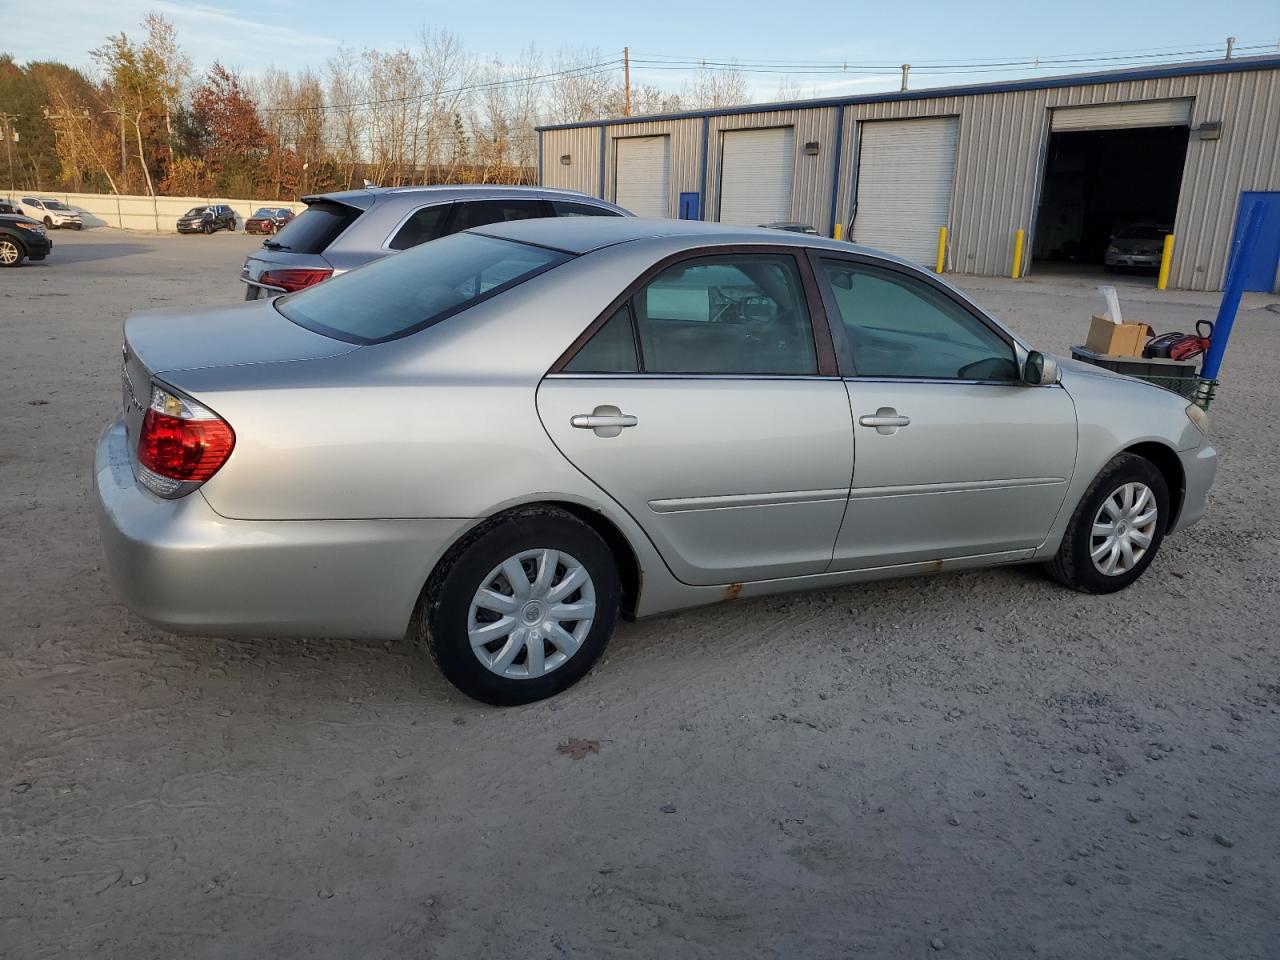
1040, 370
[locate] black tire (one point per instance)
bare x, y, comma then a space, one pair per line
443, 611
48, 223
208, 229
79, 227
1074, 566
16, 245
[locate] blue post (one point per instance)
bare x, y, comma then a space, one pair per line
1231, 295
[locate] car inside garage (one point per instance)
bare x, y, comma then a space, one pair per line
1112, 173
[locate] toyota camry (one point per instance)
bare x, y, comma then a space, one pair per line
501, 441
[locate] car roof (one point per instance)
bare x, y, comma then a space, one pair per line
365, 198
580, 235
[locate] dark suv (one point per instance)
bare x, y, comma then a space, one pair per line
217, 216
341, 231
22, 238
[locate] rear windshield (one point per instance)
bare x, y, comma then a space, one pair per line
316, 227
263, 212
405, 293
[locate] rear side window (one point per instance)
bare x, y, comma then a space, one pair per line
571, 208
397, 296
478, 213
316, 227
424, 225
611, 349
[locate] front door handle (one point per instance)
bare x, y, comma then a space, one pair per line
886, 420
605, 420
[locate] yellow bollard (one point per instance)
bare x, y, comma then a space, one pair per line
1018, 237
942, 250
839, 232
1166, 257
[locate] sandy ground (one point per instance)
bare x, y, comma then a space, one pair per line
970, 765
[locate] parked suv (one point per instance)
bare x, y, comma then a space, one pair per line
22, 238
52, 213
217, 216
340, 231
268, 220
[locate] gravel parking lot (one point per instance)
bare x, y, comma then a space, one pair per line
966, 765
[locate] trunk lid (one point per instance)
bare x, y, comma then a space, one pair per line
157, 342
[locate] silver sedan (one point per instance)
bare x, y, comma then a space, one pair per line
505, 439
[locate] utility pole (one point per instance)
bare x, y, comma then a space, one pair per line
6, 119
626, 74
1231, 44
906, 68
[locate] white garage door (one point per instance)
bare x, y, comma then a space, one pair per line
755, 175
1113, 116
642, 175
905, 172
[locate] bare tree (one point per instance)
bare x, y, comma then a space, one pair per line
346, 88
715, 86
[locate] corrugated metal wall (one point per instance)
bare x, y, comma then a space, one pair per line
582, 146
686, 154
1003, 140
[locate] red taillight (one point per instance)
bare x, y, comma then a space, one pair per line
181, 443
297, 278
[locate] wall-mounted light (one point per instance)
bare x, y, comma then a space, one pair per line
1209, 130
565, 159
811, 148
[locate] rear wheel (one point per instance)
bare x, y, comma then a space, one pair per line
522, 607
11, 252
1116, 529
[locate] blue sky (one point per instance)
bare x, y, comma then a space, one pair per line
250, 34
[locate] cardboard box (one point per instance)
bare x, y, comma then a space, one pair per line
1117, 339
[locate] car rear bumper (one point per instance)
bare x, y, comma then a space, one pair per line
184, 567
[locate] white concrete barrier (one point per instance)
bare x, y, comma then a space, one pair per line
147, 213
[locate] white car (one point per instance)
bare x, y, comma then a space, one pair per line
52, 213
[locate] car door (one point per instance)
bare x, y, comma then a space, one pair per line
954, 455
707, 403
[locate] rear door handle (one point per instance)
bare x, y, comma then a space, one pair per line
886, 420
605, 420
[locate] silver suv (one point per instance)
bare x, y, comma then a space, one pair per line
341, 231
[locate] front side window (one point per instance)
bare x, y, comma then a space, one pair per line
898, 326
572, 208
478, 213
424, 225
397, 296
730, 315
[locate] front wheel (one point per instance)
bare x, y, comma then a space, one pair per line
208, 229
522, 607
48, 223
1116, 529
11, 252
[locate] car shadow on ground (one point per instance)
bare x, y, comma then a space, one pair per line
89, 252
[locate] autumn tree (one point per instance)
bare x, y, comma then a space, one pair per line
232, 139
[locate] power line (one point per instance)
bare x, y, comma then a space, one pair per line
583, 70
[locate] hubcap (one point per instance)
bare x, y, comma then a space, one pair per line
531, 614
1123, 529
8, 252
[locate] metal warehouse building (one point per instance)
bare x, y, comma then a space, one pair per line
1067, 160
